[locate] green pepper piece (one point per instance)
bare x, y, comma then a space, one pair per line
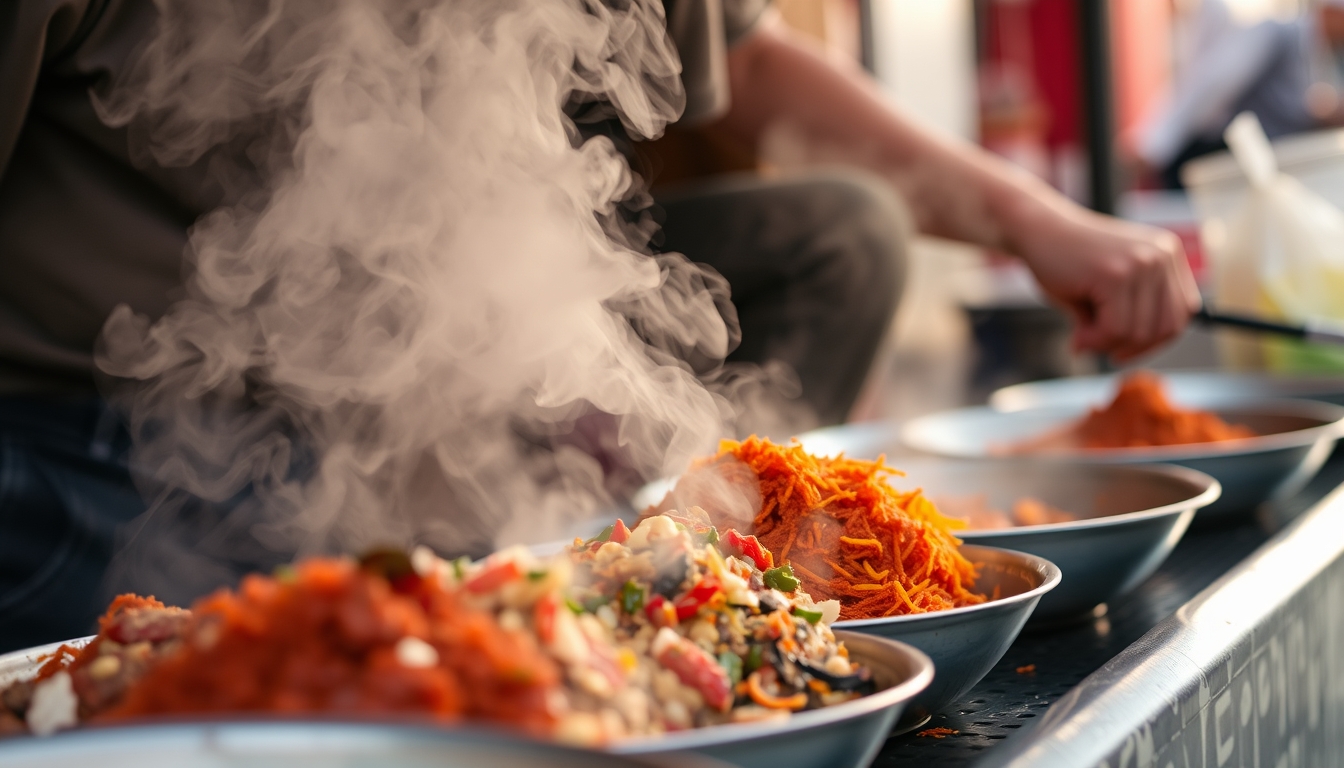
573, 606
460, 567
536, 575
755, 659
781, 578
632, 597
732, 664
605, 535
812, 617
711, 536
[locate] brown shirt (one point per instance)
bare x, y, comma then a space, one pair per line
84, 228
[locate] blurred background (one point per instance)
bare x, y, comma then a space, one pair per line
1121, 106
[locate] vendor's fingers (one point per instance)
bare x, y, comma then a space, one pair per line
1087, 336
1148, 299
1115, 315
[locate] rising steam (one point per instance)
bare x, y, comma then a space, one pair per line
409, 287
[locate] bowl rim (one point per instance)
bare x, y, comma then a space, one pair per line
1330, 415
1297, 386
1213, 490
714, 735
694, 739
1050, 578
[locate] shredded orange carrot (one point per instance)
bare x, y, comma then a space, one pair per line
850, 535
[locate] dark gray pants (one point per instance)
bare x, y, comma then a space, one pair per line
815, 263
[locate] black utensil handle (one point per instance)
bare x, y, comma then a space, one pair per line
1252, 324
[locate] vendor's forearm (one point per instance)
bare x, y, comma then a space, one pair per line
954, 189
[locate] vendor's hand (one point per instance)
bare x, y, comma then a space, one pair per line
1128, 286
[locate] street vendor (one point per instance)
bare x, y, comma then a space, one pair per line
813, 262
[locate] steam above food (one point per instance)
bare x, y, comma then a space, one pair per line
420, 279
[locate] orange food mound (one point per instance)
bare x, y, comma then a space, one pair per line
1141, 416
325, 638
850, 536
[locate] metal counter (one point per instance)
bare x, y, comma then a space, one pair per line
1232, 654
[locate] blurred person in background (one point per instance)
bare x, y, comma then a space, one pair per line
813, 262
1284, 71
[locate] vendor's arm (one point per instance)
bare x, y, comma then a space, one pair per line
1127, 285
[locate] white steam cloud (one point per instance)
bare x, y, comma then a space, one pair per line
417, 278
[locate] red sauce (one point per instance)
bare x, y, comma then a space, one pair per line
324, 638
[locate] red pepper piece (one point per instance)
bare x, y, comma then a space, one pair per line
697, 669
661, 613
493, 577
750, 548
689, 604
543, 616
619, 533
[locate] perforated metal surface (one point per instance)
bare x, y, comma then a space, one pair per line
1008, 701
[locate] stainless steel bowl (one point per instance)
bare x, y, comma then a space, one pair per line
965, 643
307, 744
848, 734
1296, 437
1134, 515
1130, 518
1192, 389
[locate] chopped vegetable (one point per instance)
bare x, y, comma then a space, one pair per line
732, 664
755, 659
661, 612
748, 547
494, 576
619, 533
695, 668
632, 597
781, 578
811, 617
756, 689
689, 604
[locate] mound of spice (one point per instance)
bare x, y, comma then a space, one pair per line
1142, 416
847, 534
330, 636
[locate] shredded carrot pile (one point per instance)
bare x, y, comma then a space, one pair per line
1141, 415
325, 638
849, 535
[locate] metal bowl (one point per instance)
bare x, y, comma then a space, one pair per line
306, 744
1130, 518
965, 643
848, 734
1296, 437
1192, 389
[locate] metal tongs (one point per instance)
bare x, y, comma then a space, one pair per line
1313, 331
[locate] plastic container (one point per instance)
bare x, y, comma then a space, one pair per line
1219, 191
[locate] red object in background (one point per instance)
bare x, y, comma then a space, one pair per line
1030, 76
1030, 100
